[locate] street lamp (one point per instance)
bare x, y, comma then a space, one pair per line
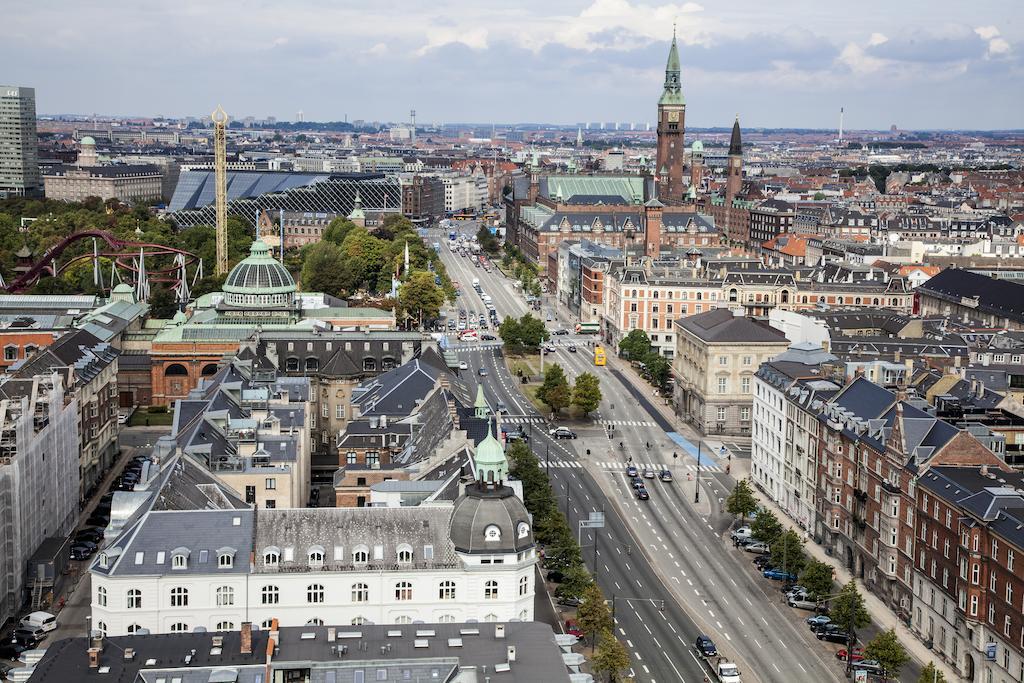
696, 482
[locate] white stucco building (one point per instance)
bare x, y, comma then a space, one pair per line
175, 571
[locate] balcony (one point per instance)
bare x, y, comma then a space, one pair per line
890, 487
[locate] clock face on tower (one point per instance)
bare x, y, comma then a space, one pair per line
673, 117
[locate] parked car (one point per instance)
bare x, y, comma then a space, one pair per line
82, 551
631, 471
665, 476
740, 533
757, 547
29, 635
570, 602
779, 575
649, 473
562, 433
12, 650
641, 493
856, 656
93, 535
836, 636
39, 620
762, 561
705, 646
572, 628
802, 603
872, 666
818, 620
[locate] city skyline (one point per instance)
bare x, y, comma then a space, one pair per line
589, 60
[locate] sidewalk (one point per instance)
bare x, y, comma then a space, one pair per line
883, 617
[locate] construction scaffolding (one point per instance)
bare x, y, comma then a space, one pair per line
220, 165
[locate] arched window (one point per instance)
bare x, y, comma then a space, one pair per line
179, 627
179, 558
271, 556
134, 599
175, 370
209, 369
225, 626
315, 621
102, 628
856, 301
524, 585
404, 554
292, 364
369, 364
270, 595
403, 590
267, 624
312, 364
315, 593
403, 619
133, 628
491, 618
316, 557
101, 596
225, 559
446, 619
361, 554
733, 294
840, 301
358, 621
225, 596
491, 590
785, 297
360, 592
179, 597
446, 591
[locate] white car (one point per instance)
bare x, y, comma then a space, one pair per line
463, 365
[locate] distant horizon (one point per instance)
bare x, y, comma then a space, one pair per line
787, 64
546, 125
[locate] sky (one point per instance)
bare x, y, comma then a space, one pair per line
918, 64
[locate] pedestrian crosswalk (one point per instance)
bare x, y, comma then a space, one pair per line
658, 467
475, 347
626, 423
523, 419
561, 463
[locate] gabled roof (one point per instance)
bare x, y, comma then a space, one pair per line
721, 326
1004, 298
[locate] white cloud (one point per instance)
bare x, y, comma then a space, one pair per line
877, 39
987, 32
997, 46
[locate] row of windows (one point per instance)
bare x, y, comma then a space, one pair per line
315, 593
316, 555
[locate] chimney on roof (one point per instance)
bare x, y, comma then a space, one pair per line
95, 648
246, 639
981, 389
984, 470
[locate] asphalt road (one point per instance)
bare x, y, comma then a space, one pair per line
665, 549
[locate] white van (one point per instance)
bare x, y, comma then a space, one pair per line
40, 620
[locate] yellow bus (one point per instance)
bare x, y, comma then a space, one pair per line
599, 357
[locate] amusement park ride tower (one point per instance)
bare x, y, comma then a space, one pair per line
220, 122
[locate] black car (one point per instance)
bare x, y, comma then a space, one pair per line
642, 494
637, 482
837, 636
98, 520
763, 561
705, 646
29, 636
488, 337
572, 348
82, 550
13, 649
93, 535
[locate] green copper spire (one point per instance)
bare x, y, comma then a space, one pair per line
480, 408
673, 93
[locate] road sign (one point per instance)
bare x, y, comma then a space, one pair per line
594, 521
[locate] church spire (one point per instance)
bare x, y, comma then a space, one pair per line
673, 93
735, 144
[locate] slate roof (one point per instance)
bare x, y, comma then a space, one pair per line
721, 326
79, 350
1003, 298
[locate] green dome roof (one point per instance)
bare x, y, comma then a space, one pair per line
123, 288
87, 141
697, 146
259, 273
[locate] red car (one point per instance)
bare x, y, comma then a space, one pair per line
572, 628
858, 654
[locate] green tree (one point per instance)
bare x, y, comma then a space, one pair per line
162, 304
931, 674
850, 613
532, 331
887, 649
817, 578
611, 656
586, 392
635, 345
364, 261
766, 527
593, 616
322, 266
658, 369
420, 298
575, 582
510, 332
788, 552
338, 230
741, 500
393, 225
554, 391
488, 242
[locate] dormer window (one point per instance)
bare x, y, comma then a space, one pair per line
492, 533
272, 556
179, 558
404, 554
316, 557
225, 558
360, 555
103, 561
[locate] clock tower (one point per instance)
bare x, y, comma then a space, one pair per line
671, 129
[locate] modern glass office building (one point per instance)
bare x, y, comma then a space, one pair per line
19, 144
